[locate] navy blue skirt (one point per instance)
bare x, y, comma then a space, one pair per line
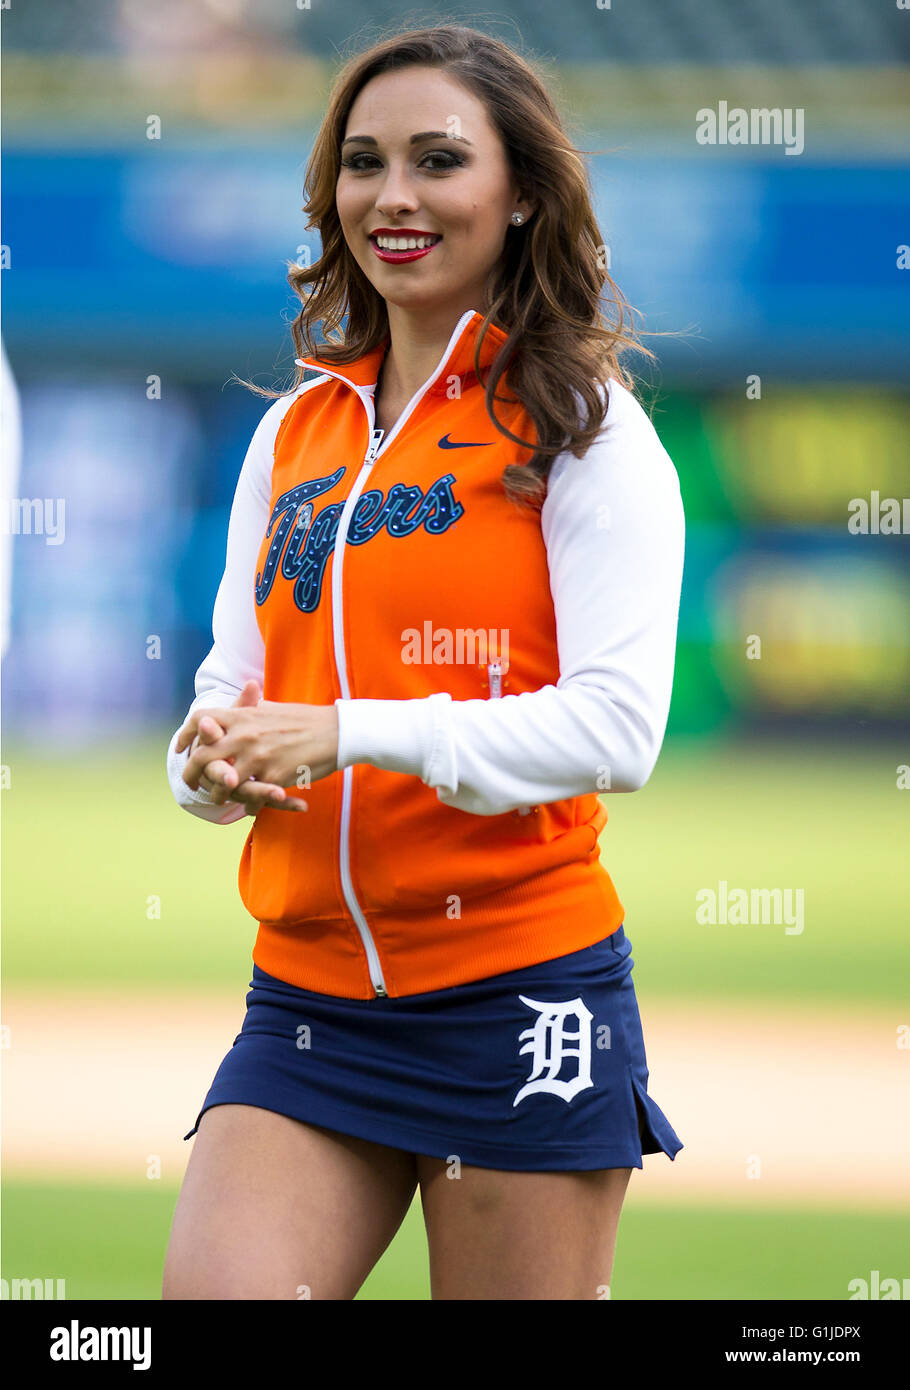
538, 1070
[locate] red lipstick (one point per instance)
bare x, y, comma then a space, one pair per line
394, 256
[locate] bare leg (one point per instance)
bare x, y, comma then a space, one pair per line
271, 1208
502, 1235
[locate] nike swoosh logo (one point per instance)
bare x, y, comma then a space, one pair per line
447, 443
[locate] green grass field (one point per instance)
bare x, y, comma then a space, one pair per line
109, 1243
89, 844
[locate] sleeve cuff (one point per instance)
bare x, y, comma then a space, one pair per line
199, 803
176, 763
398, 735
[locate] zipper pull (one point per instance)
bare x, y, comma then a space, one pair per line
375, 441
494, 672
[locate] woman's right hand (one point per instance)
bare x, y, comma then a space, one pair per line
251, 794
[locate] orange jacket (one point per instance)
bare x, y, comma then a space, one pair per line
383, 565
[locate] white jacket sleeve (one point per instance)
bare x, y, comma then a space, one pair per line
614, 530
238, 653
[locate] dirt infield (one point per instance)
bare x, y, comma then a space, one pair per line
798, 1105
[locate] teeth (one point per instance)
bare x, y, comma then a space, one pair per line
402, 243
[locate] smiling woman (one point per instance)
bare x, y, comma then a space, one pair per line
458, 178
442, 980
448, 133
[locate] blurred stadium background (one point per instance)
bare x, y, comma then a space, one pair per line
140, 256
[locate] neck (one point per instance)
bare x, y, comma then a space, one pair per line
417, 341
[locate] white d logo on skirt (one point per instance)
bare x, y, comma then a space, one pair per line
550, 1044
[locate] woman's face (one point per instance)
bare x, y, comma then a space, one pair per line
453, 183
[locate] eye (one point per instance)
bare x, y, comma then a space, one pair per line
455, 159
451, 160
352, 162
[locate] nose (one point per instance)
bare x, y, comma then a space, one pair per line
396, 195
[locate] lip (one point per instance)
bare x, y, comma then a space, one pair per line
399, 256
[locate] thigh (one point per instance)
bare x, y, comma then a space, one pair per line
502, 1235
272, 1208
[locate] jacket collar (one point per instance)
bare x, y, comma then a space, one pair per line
456, 360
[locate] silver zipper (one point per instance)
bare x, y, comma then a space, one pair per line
344, 840
379, 442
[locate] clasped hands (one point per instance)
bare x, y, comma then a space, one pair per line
249, 753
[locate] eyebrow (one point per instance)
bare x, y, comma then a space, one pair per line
414, 140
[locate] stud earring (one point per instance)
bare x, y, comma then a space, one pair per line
517, 218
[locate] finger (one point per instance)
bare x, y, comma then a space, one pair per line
255, 795
190, 729
249, 695
249, 790
185, 735
246, 762
220, 780
210, 731
203, 772
196, 743
289, 805
221, 772
206, 755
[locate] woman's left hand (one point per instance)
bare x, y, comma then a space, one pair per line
272, 741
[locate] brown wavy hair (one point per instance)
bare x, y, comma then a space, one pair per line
566, 319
